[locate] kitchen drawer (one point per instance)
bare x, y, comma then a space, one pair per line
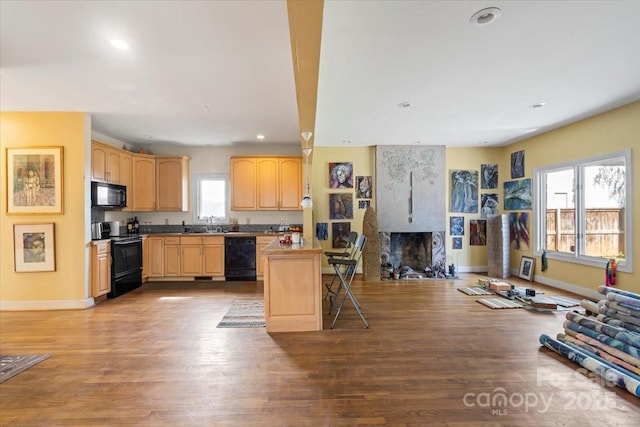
103, 247
213, 240
172, 240
190, 240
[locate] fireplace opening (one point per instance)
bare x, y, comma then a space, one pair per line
413, 255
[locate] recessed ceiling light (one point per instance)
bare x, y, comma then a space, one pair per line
538, 105
260, 136
346, 141
148, 136
404, 105
485, 16
119, 44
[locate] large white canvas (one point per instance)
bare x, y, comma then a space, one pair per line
396, 166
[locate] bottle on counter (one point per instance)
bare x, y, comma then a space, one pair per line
129, 227
136, 226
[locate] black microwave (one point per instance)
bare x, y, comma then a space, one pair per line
108, 196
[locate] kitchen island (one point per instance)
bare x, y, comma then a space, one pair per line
293, 286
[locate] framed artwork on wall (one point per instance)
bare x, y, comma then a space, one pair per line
340, 206
478, 232
464, 191
34, 247
490, 204
456, 225
517, 164
364, 187
517, 194
34, 180
489, 176
341, 175
339, 234
456, 243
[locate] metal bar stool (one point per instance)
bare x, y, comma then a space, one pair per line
345, 271
348, 253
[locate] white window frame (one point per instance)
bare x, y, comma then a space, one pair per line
197, 178
540, 209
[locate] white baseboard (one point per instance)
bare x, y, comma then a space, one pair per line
47, 305
471, 268
575, 289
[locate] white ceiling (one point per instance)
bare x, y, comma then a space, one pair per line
219, 73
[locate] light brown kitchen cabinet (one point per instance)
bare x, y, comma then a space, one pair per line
126, 176
172, 183
290, 183
213, 256
261, 243
171, 256
145, 257
105, 163
202, 256
191, 256
143, 194
266, 183
156, 256
243, 183
100, 268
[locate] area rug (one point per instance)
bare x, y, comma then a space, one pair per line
244, 314
11, 366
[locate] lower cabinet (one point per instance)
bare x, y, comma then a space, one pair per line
145, 258
156, 256
185, 256
261, 243
171, 256
213, 256
202, 256
100, 268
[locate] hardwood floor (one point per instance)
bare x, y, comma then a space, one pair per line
433, 356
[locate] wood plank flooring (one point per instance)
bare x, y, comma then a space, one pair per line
433, 356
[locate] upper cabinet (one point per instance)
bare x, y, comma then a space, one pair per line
243, 183
266, 183
290, 178
143, 194
105, 163
154, 183
172, 183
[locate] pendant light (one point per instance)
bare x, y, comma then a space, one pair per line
306, 200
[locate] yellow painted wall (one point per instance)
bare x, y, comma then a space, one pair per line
609, 132
473, 258
67, 287
606, 133
363, 160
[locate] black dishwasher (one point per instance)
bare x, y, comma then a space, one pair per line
240, 258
